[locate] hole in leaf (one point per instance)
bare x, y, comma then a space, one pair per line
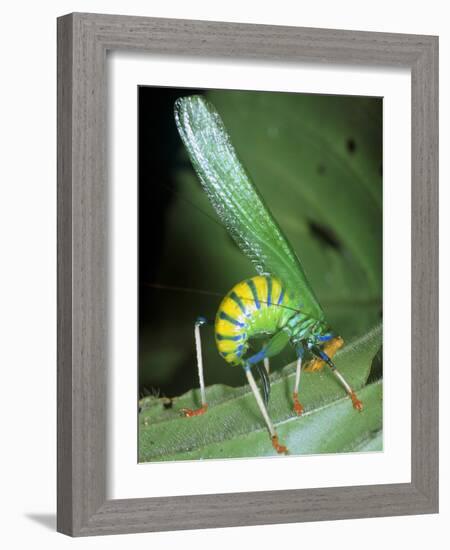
376, 368
325, 235
351, 145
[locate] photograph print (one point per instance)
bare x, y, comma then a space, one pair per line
260, 274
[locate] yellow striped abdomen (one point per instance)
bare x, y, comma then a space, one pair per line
253, 306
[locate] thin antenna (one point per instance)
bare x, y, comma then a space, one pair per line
212, 293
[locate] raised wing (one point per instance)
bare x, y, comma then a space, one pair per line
237, 201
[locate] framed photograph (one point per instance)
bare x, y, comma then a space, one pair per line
247, 274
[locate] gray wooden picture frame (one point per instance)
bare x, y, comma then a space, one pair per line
83, 41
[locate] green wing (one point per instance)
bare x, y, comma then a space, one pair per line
237, 201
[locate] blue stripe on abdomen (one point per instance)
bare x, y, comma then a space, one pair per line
225, 317
280, 299
232, 338
239, 350
269, 291
238, 301
252, 287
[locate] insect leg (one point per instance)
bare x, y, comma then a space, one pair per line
298, 407
357, 404
276, 343
267, 367
198, 347
330, 349
273, 347
273, 434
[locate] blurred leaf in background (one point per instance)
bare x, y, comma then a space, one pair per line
317, 162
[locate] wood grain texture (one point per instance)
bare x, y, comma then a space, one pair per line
424, 279
64, 300
83, 244
83, 40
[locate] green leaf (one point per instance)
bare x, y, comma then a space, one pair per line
374, 442
233, 426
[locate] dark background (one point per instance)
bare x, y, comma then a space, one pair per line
159, 162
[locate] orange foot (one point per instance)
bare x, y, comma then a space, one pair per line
314, 365
298, 407
195, 412
357, 404
280, 449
